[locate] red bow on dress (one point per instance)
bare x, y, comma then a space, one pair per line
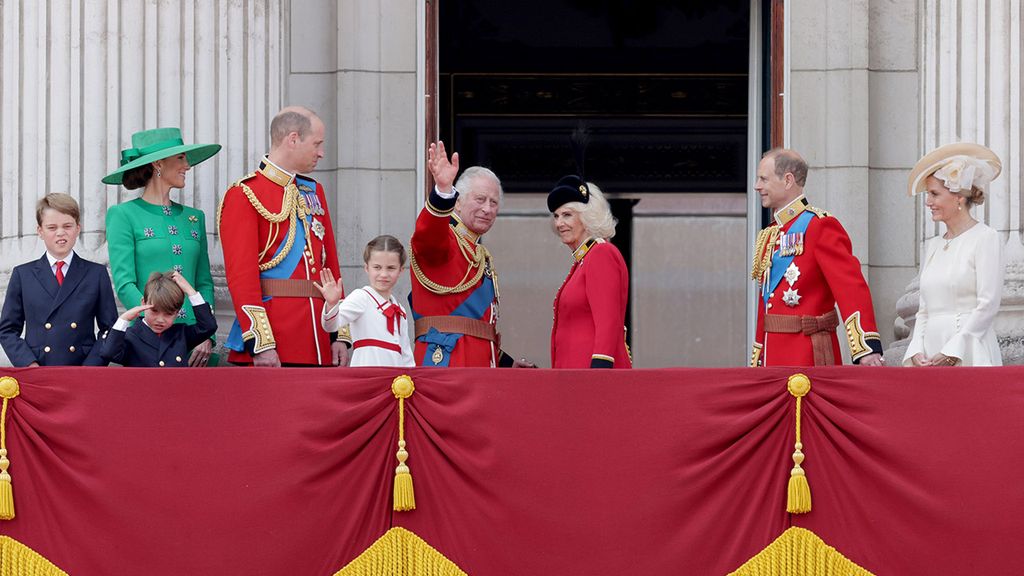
391, 312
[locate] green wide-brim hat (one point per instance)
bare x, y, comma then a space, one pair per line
157, 144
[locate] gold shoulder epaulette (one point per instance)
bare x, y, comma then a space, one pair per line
244, 178
818, 211
236, 183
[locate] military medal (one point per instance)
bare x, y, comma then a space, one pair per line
791, 297
791, 244
309, 195
438, 355
318, 229
792, 273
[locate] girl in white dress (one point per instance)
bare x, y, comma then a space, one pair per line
962, 271
375, 318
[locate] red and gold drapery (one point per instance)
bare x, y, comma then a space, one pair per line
289, 471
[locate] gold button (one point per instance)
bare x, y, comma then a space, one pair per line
769, 304
178, 358
161, 362
772, 295
72, 349
74, 325
47, 349
312, 269
47, 325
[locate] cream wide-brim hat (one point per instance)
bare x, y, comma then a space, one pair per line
936, 159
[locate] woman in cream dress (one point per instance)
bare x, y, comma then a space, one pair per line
962, 272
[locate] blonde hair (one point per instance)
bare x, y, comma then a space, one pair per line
62, 203
163, 293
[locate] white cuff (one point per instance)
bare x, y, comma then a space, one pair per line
447, 196
196, 299
121, 325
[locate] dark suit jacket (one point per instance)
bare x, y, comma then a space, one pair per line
140, 347
58, 319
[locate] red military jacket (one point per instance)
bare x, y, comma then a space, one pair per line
256, 220
588, 329
822, 276
446, 255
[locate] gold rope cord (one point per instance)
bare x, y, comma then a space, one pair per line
798, 492
477, 258
404, 496
9, 390
290, 209
763, 250
400, 552
799, 552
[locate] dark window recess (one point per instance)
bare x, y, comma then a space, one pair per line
659, 86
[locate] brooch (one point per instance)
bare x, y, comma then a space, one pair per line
792, 273
791, 297
318, 229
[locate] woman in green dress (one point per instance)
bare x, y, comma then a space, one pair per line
153, 234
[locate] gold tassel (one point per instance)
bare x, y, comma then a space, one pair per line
9, 389
405, 499
798, 495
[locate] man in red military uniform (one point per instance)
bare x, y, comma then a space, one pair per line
805, 268
277, 235
454, 297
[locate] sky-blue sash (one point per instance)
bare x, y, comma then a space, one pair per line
472, 307
781, 263
284, 269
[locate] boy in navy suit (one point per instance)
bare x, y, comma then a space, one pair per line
156, 340
58, 299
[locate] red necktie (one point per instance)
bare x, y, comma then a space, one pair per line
60, 272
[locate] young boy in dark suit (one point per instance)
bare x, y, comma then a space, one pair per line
156, 341
58, 299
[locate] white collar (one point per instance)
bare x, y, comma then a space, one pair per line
66, 260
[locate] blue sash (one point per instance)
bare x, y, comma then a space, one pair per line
781, 263
283, 270
472, 307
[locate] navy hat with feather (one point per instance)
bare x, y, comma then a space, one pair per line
570, 188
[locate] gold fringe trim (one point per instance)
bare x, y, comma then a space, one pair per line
16, 559
798, 494
799, 552
9, 390
399, 552
405, 498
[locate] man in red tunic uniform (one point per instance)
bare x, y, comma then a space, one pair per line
454, 297
805, 268
277, 235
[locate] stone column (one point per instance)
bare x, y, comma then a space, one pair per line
79, 77
970, 57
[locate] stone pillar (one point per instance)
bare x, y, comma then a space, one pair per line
970, 57
79, 77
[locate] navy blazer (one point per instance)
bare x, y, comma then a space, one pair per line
140, 347
57, 319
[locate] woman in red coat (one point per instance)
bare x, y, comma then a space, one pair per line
590, 307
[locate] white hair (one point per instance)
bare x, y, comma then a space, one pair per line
464, 183
596, 215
